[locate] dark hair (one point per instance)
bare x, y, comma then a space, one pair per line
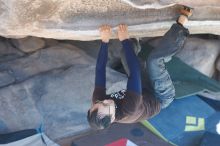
96, 122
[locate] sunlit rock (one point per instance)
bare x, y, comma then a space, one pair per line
80, 19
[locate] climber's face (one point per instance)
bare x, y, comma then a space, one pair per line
105, 108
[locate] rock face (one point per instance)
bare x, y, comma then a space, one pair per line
79, 20
59, 56
58, 99
52, 86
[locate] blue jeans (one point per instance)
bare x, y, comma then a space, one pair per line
155, 77
159, 77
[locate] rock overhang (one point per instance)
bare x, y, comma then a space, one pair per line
79, 20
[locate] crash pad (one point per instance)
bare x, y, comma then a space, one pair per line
122, 135
185, 121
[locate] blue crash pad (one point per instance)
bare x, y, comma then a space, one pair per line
185, 121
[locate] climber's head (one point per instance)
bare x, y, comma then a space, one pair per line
101, 114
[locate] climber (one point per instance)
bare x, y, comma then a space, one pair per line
136, 103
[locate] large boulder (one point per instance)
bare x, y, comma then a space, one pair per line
58, 99
52, 86
80, 19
